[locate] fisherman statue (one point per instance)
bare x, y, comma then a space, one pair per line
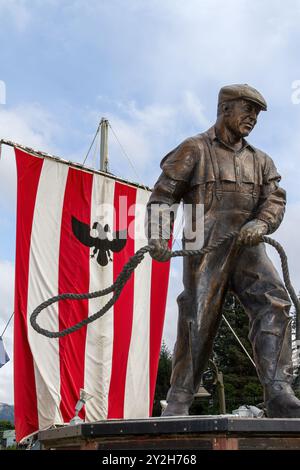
238, 186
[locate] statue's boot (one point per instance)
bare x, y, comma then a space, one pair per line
176, 409
274, 366
280, 401
179, 401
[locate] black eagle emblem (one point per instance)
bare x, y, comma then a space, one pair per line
101, 243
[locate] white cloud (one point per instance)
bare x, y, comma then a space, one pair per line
6, 390
146, 132
16, 11
29, 125
6, 289
173, 45
193, 108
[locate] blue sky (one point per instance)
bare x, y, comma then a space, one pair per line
154, 68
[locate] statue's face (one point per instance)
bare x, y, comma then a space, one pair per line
241, 117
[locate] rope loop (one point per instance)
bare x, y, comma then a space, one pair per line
130, 266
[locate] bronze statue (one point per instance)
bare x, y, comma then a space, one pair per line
239, 187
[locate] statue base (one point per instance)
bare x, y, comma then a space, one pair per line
219, 432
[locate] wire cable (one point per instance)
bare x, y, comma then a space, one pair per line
6, 326
91, 146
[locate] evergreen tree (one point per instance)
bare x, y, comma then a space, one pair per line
6, 425
242, 386
240, 378
163, 378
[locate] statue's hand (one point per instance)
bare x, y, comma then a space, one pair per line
159, 249
251, 233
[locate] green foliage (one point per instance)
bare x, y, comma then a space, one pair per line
239, 375
6, 425
240, 379
163, 378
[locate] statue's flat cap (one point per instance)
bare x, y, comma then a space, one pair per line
244, 91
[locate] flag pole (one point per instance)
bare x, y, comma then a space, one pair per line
104, 145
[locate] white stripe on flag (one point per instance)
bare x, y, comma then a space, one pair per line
136, 404
99, 338
43, 283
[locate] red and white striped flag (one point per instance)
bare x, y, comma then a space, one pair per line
115, 359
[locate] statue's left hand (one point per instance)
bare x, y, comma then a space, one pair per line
251, 233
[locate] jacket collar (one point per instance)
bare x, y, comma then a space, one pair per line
213, 137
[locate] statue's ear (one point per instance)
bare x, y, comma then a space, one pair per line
226, 108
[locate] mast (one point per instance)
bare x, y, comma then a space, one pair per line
104, 145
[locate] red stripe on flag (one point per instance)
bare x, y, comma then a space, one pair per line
159, 291
123, 308
74, 258
26, 413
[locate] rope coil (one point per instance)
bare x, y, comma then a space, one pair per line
130, 266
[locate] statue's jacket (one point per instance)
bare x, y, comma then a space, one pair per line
204, 170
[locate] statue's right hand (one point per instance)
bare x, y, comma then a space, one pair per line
159, 249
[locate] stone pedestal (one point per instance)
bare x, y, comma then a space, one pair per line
188, 433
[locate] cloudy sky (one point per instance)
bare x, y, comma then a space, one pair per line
153, 68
